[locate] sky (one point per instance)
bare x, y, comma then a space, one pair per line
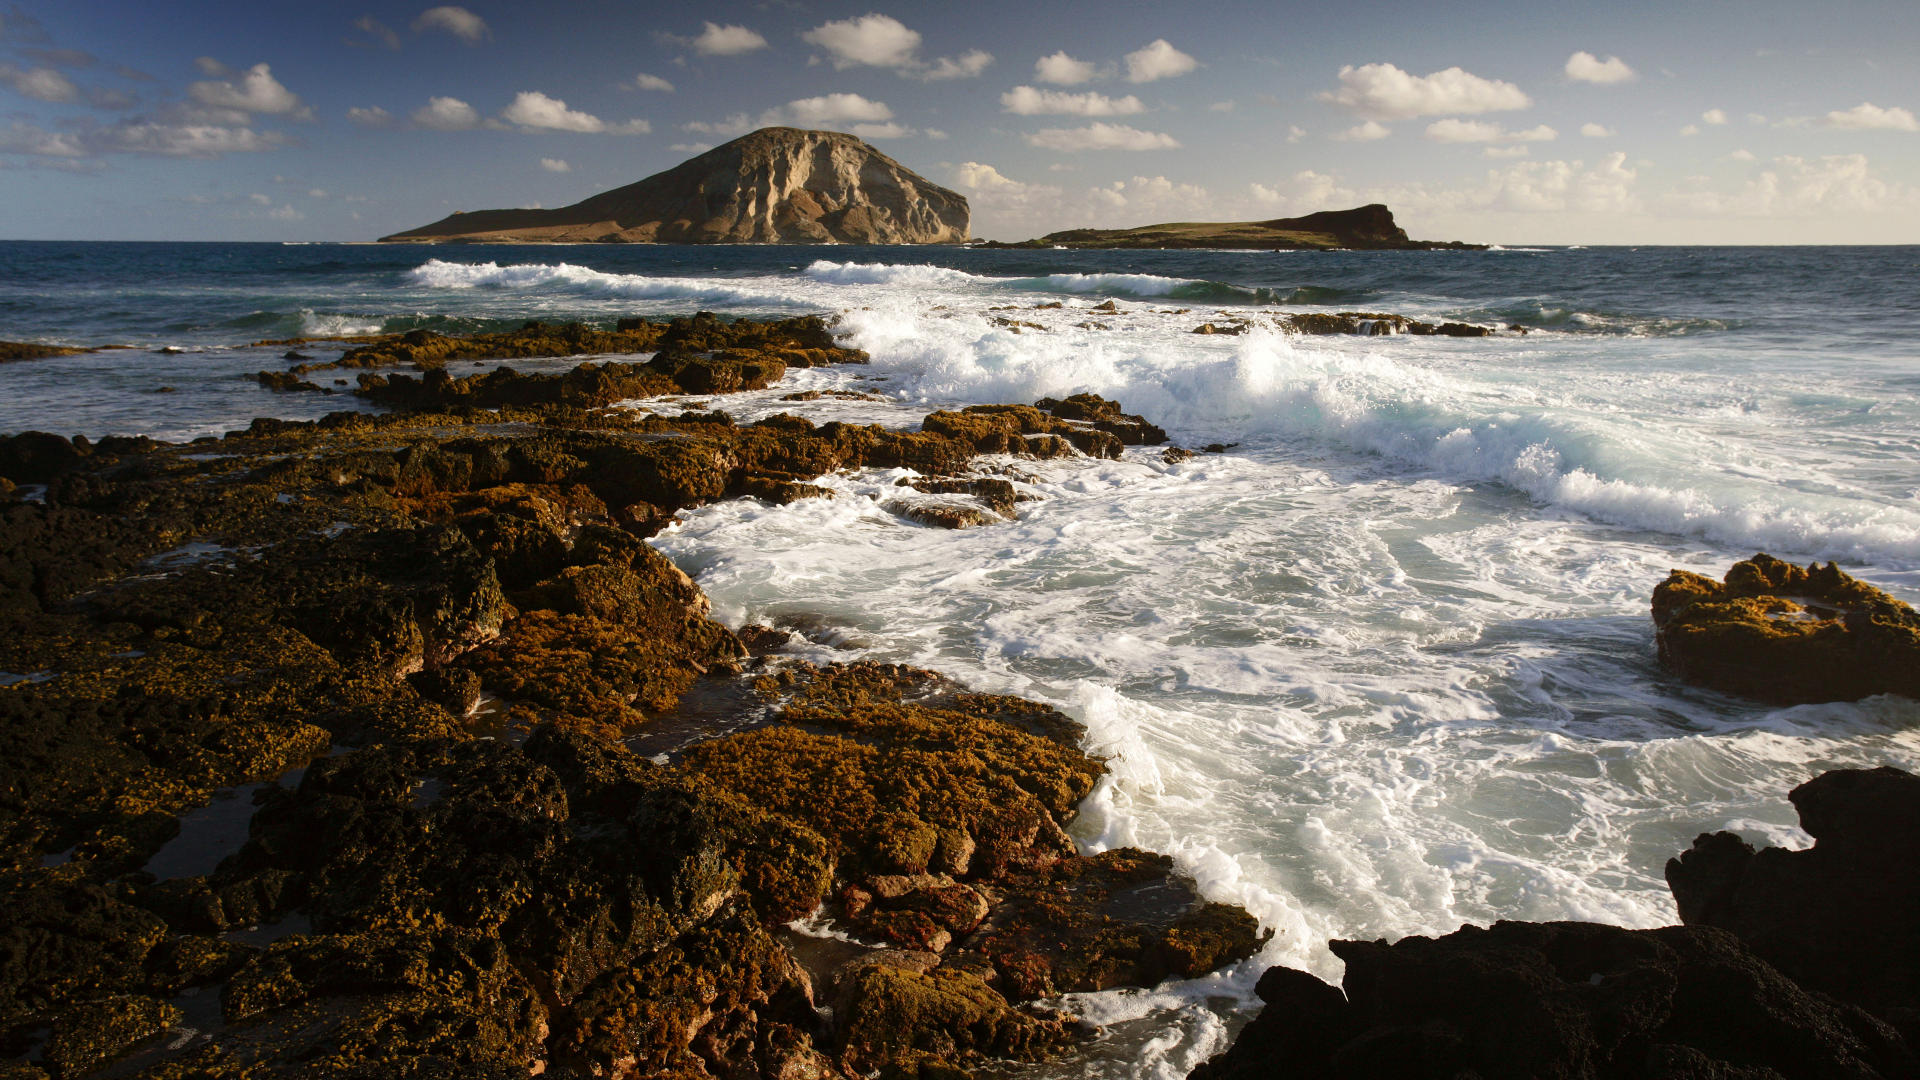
1679, 122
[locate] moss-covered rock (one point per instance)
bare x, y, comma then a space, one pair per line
1788, 635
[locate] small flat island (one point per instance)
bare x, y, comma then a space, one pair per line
1365, 228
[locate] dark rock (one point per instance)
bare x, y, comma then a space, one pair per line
1572, 1000
1837, 917
1776, 632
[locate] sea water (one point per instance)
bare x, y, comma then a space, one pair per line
1383, 667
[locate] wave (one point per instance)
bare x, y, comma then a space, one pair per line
915, 276
1604, 465
1153, 286
539, 278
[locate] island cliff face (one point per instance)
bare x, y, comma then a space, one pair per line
774, 186
1369, 227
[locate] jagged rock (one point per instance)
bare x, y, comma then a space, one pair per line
1781, 634
1837, 917
773, 186
1572, 1000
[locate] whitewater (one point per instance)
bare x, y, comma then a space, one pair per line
1379, 665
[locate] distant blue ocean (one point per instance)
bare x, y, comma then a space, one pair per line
1382, 668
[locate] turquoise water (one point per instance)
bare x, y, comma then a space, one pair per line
1383, 668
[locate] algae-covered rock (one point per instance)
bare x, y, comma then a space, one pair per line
1787, 635
893, 1015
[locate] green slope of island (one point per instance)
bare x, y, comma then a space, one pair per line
1368, 227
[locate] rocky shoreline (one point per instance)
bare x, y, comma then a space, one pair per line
386, 746
381, 746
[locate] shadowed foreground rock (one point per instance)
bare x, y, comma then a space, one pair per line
360, 749
1573, 1000
1776, 632
1838, 917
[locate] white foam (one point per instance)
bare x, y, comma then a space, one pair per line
912, 276
536, 277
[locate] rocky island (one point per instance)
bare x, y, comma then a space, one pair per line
774, 186
1363, 228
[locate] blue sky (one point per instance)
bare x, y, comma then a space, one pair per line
1703, 121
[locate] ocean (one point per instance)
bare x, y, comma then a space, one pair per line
1383, 667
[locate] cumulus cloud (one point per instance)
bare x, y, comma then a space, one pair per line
1588, 68
870, 40
730, 40
1027, 101
377, 34
257, 91
1099, 136
1801, 187
1295, 133
1368, 132
1485, 131
882, 41
446, 114
1158, 60
690, 147
1384, 92
644, 81
41, 84
1714, 116
880, 131
532, 110
555, 164
1742, 155
373, 116
457, 21
1690, 130
1596, 131
1062, 70
828, 109
1869, 117
967, 65
733, 126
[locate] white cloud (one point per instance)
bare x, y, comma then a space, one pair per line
1869, 117
1485, 131
457, 21
1062, 70
1690, 130
41, 84
1508, 151
257, 92
373, 116
828, 109
286, 213
1555, 187
555, 164
934, 133
1027, 101
1221, 107
1158, 60
446, 114
716, 40
871, 40
644, 81
733, 126
1798, 187
316, 193
1385, 92
882, 41
1714, 116
967, 65
180, 140
212, 68
691, 148
1596, 131
534, 111
1295, 133
381, 34
1098, 136
1367, 132
1588, 68
260, 200
880, 131
1742, 155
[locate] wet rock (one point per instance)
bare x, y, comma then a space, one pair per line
25, 350
1787, 635
1105, 415
1556, 999
35, 457
1836, 917
286, 382
896, 1016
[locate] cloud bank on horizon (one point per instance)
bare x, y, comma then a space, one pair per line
117, 121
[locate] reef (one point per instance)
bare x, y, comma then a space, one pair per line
1789, 964
1787, 635
386, 746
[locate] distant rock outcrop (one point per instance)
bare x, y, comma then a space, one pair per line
774, 186
1369, 227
